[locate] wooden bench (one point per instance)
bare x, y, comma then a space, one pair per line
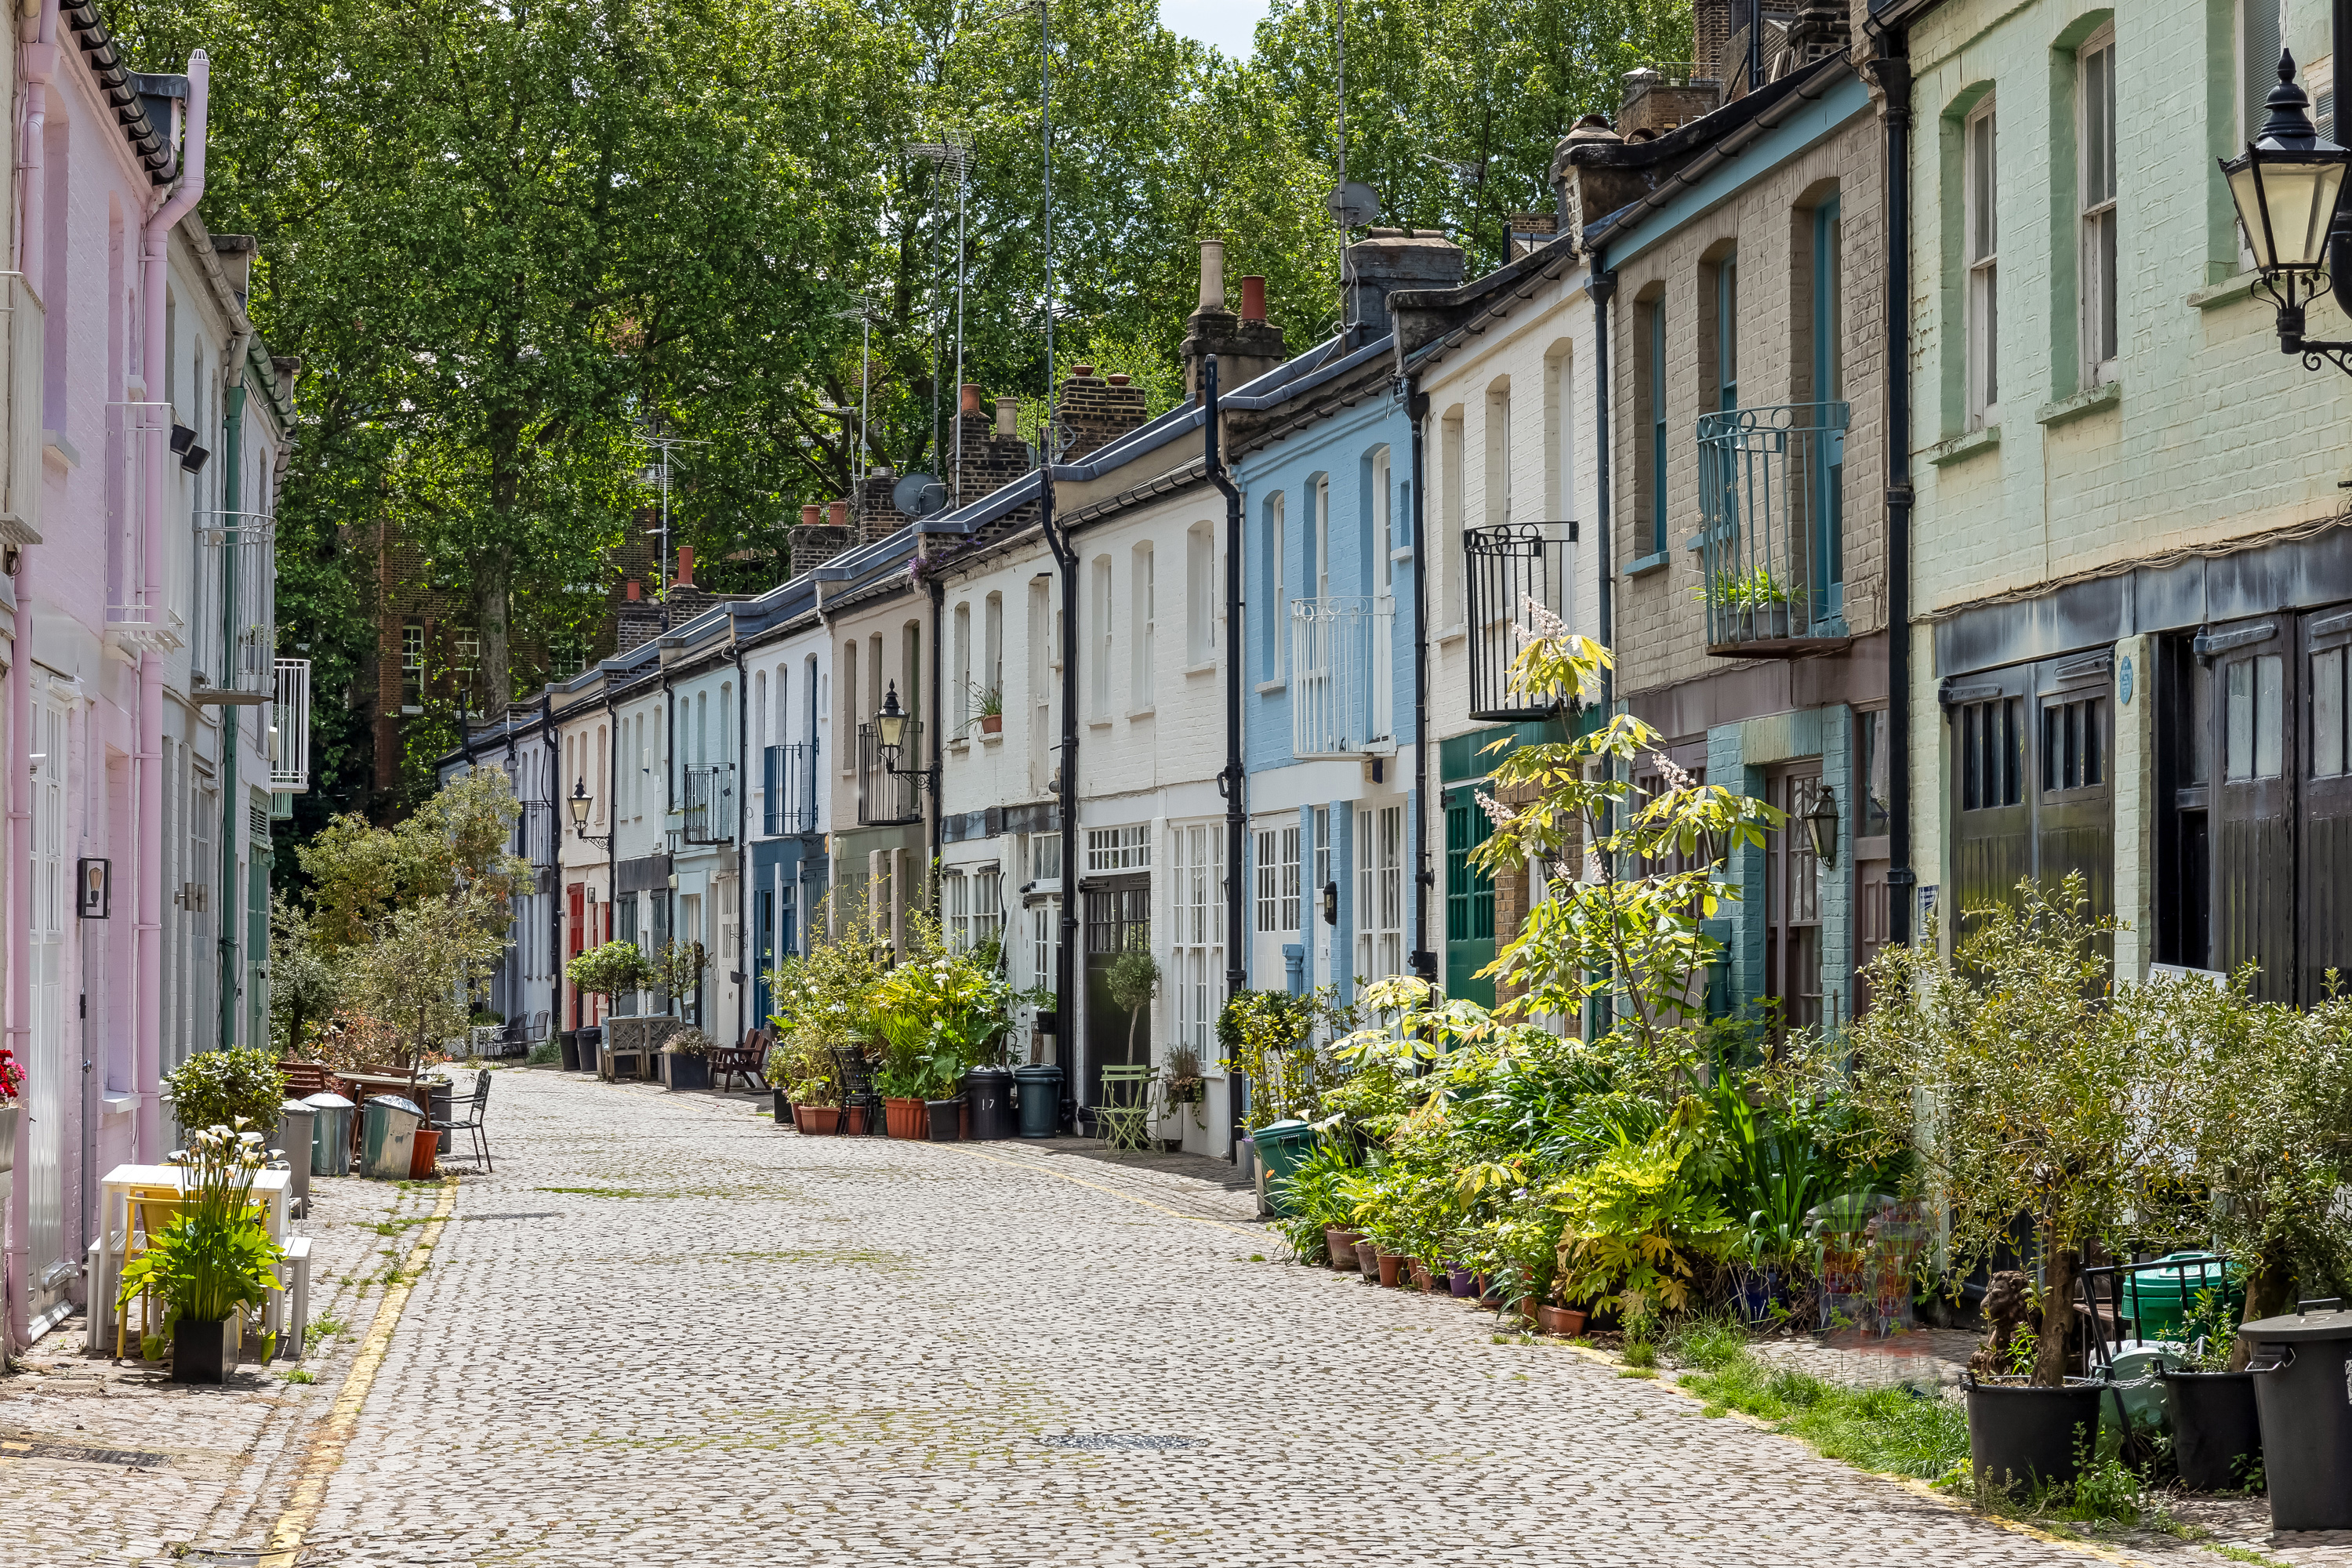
745, 1062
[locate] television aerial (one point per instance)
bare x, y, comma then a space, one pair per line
918, 495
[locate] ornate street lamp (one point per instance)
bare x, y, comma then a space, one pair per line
1821, 825
579, 800
2287, 187
890, 739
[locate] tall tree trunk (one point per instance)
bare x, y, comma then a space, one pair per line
2053, 1352
2270, 1291
494, 682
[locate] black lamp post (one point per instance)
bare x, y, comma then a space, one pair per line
2286, 186
579, 799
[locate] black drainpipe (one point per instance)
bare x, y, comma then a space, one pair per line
1066, 953
1602, 284
742, 869
669, 804
1231, 780
1424, 562
1892, 69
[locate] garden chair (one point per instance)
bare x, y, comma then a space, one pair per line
477, 1105
1124, 1118
146, 1213
744, 1062
857, 1092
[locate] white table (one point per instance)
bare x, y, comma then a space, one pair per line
275, 1187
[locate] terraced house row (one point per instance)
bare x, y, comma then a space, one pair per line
151, 732
1895, 388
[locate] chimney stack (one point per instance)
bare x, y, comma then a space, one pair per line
1386, 260
1093, 411
1246, 345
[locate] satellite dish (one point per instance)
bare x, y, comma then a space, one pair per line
918, 495
1353, 204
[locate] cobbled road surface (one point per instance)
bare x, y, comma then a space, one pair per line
669, 1332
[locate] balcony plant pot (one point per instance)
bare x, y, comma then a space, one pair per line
992, 723
2020, 1436
1367, 1262
202, 1352
2217, 1436
1342, 1246
945, 1119
905, 1119
783, 1108
11, 1117
684, 1072
1770, 623
1565, 1321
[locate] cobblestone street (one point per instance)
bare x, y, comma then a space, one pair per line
666, 1331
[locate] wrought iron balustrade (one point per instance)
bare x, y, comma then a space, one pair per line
1342, 684
1509, 567
709, 814
788, 779
233, 641
1772, 485
290, 719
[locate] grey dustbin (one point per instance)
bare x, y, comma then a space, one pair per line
2305, 1405
388, 1142
294, 1137
330, 1140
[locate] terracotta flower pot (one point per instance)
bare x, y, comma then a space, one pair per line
817, 1121
906, 1118
1392, 1268
992, 723
1368, 1261
1342, 1244
1566, 1321
1420, 1274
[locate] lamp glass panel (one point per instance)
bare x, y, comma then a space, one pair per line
892, 728
2301, 196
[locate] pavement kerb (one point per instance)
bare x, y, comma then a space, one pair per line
1097, 1186
324, 1453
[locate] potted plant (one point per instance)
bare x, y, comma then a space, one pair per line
609, 970
2216, 1434
1182, 1081
12, 1112
242, 1088
990, 700
214, 1260
2018, 1086
686, 1060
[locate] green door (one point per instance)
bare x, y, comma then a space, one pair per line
1469, 900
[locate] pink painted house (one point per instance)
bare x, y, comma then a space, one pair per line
148, 717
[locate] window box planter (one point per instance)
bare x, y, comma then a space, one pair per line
203, 1352
685, 1072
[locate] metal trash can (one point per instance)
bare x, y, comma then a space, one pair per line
388, 1143
592, 1040
989, 1093
294, 1137
330, 1138
1040, 1099
1282, 1147
2304, 1400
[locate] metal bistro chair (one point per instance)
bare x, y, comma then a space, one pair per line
1124, 1116
857, 1091
477, 1105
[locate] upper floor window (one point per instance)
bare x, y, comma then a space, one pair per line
1100, 695
1982, 312
1499, 457
1278, 618
1653, 414
1320, 571
1726, 333
1143, 609
1200, 593
1383, 526
1449, 502
2094, 65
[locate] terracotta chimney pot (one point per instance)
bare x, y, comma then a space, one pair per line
971, 397
1119, 378
838, 514
1084, 370
685, 565
631, 591
1253, 298
811, 515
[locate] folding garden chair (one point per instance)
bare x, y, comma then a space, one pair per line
1125, 1115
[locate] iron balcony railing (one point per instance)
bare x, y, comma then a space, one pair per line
1772, 485
1514, 569
709, 814
233, 642
537, 838
1342, 700
886, 798
788, 779
289, 728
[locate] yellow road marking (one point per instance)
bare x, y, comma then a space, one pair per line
1082, 1182
325, 1453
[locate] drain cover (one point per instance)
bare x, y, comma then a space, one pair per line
536, 1213
1118, 1440
80, 1453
